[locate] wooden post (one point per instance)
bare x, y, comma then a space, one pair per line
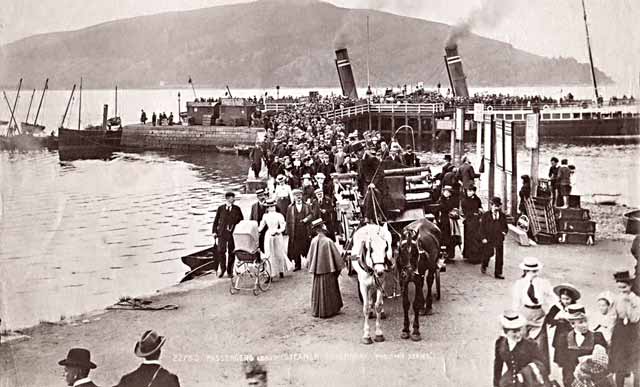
419, 127
105, 113
503, 149
433, 134
459, 124
393, 122
452, 144
379, 123
532, 139
514, 171
492, 155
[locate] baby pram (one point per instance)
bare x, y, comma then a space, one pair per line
249, 266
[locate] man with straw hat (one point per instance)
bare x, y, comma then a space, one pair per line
77, 366
515, 351
325, 265
150, 373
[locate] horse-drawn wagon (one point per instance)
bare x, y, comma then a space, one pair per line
373, 246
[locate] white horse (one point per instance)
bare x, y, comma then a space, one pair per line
371, 253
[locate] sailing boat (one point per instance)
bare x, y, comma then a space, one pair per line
92, 142
34, 128
13, 138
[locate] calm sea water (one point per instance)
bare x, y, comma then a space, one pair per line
76, 236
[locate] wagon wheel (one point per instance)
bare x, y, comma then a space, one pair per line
264, 276
438, 284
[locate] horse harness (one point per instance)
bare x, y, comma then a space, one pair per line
366, 249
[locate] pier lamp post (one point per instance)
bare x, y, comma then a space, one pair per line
278, 92
369, 92
178, 104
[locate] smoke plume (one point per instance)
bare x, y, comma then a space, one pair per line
488, 13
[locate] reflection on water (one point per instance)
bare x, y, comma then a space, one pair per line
77, 235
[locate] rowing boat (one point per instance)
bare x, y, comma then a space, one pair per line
200, 263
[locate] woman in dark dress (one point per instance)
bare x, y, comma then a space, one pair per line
447, 213
558, 317
518, 354
471, 210
325, 264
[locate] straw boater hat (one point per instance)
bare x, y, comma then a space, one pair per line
318, 190
296, 192
270, 203
260, 192
447, 188
512, 320
576, 312
317, 223
573, 292
320, 175
149, 343
281, 178
623, 276
531, 263
78, 357
306, 176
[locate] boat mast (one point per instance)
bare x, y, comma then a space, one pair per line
15, 103
593, 73
80, 104
368, 53
64, 117
30, 102
116, 100
46, 86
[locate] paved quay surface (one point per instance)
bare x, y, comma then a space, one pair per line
212, 330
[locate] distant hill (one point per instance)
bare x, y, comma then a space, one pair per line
267, 43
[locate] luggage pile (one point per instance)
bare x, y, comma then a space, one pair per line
574, 224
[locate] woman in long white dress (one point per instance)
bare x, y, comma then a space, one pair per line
274, 246
282, 193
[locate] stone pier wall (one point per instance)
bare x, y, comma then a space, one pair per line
187, 137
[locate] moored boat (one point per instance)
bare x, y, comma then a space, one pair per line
199, 262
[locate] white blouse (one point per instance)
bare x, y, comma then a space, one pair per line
274, 222
542, 290
283, 191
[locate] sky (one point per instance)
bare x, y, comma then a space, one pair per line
551, 28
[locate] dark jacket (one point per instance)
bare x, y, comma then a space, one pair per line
574, 351
225, 221
525, 352
471, 207
257, 211
143, 375
410, 160
467, 174
492, 230
291, 223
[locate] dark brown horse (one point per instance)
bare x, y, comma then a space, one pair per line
419, 251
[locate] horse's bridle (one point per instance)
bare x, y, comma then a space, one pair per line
407, 270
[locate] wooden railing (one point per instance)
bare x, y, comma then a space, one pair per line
407, 108
278, 106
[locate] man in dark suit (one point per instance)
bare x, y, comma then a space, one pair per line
256, 155
467, 174
447, 165
150, 373
493, 229
409, 158
258, 210
227, 216
297, 230
77, 366
323, 208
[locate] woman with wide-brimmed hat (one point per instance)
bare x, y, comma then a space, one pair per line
274, 248
515, 351
532, 297
558, 317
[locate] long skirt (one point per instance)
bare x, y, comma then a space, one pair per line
326, 300
623, 352
274, 249
538, 331
472, 250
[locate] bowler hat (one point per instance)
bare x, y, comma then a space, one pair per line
447, 157
472, 188
496, 201
570, 289
78, 357
149, 343
229, 194
512, 320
